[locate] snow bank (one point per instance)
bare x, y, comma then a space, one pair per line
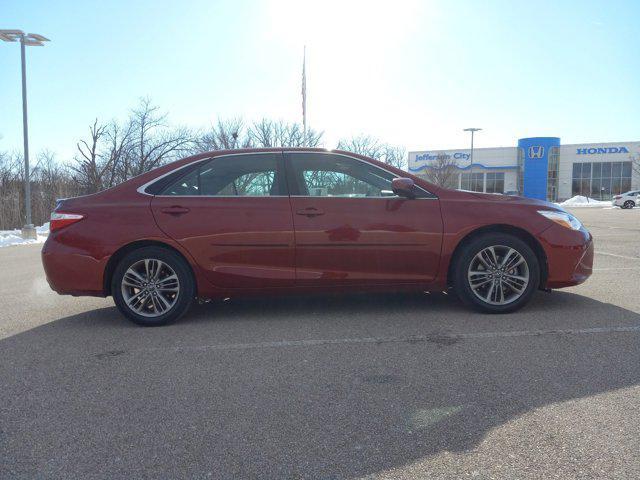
43, 229
14, 237
582, 201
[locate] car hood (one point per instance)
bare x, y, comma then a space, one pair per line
512, 200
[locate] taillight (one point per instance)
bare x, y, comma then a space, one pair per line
61, 220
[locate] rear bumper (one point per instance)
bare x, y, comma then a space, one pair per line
569, 256
72, 271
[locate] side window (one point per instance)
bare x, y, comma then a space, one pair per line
253, 175
185, 186
229, 179
323, 175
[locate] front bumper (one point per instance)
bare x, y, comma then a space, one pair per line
569, 256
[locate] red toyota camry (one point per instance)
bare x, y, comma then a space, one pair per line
271, 221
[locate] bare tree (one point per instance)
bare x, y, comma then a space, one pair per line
363, 145
443, 170
88, 164
11, 190
263, 133
49, 180
116, 152
369, 146
232, 133
271, 133
118, 143
227, 134
396, 156
153, 142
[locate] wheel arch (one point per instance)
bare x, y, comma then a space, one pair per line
520, 233
130, 247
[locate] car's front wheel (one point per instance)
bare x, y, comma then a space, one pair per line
496, 273
628, 204
152, 286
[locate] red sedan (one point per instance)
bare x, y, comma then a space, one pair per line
271, 221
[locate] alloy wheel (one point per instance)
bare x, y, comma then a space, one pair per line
150, 287
498, 275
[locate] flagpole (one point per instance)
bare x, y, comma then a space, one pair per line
304, 96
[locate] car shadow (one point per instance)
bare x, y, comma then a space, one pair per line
399, 379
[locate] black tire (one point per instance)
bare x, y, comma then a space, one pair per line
181, 300
628, 204
467, 254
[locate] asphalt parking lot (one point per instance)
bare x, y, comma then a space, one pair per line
376, 386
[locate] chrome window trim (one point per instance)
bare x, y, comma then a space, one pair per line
220, 196
329, 152
141, 189
395, 197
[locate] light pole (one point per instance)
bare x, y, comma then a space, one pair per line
472, 130
26, 40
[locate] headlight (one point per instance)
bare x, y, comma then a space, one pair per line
562, 218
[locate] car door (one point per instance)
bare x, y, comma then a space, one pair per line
232, 214
352, 230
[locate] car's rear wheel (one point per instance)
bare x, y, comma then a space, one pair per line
628, 204
496, 273
152, 286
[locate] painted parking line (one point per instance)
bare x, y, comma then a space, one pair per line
617, 256
605, 228
609, 235
622, 228
614, 269
439, 339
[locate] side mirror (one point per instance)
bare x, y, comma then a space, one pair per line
403, 187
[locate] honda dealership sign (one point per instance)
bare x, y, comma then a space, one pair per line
601, 150
536, 151
536, 164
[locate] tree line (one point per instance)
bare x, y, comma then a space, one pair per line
115, 151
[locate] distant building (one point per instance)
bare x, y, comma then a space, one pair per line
542, 168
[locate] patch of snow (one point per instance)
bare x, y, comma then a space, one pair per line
14, 237
582, 201
43, 229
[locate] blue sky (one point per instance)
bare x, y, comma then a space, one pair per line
409, 72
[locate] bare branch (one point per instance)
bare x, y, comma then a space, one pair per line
369, 146
443, 170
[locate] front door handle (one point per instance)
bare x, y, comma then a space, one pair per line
310, 212
175, 210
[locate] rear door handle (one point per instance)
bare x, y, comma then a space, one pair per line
175, 210
310, 212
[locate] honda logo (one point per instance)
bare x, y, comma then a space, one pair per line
536, 151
